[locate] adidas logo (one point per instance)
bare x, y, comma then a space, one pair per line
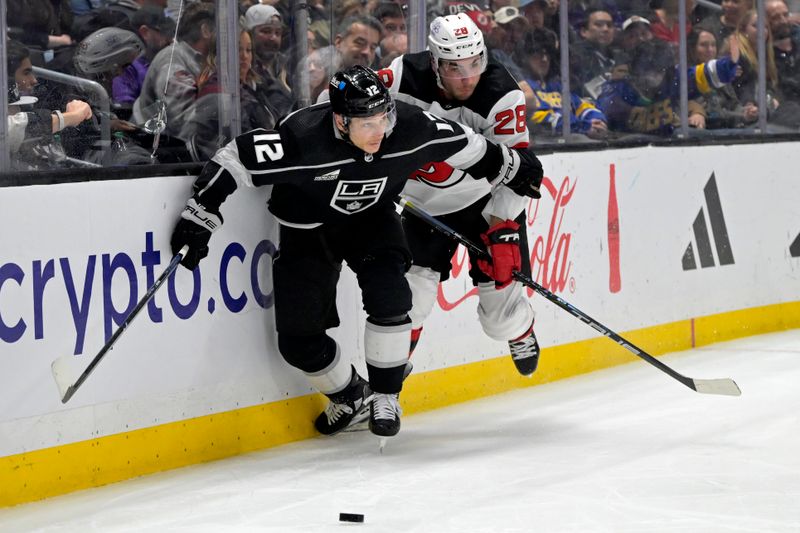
330, 176
702, 238
794, 248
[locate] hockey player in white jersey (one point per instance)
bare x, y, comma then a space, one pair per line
337, 170
455, 79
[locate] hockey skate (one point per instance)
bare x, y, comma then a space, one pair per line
384, 419
346, 408
525, 353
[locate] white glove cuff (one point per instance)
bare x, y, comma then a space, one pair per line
195, 212
511, 164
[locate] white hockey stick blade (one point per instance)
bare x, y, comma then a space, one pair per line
724, 386
65, 373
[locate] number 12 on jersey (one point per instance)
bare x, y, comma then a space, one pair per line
267, 146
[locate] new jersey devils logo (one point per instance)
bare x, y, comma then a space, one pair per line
439, 175
355, 196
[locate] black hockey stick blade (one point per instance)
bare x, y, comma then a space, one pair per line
63, 368
723, 386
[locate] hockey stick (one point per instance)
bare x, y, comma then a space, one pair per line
724, 386
63, 367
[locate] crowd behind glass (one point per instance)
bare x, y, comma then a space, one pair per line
126, 82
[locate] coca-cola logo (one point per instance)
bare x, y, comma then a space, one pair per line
550, 264
549, 251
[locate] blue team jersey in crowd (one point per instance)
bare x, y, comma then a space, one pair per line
628, 111
546, 109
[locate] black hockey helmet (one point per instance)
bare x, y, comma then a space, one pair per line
359, 92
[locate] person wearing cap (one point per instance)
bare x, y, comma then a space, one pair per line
536, 12
510, 26
266, 27
635, 30
156, 31
182, 62
537, 55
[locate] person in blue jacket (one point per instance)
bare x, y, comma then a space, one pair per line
647, 101
536, 54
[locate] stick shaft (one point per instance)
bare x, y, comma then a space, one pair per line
173, 264
726, 386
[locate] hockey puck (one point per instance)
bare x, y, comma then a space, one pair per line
351, 517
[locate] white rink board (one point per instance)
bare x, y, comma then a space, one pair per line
173, 369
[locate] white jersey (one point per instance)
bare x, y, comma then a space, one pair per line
496, 110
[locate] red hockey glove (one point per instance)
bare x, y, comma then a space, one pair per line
502, 241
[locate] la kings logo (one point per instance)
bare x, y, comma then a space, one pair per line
355, 196
719, 231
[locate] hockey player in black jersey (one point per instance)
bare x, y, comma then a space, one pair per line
455, 79
336, 169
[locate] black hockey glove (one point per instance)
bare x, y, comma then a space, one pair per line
521, 172
194, 228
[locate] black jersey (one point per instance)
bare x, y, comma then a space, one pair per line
319, 177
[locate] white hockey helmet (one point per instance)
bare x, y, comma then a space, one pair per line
453, 38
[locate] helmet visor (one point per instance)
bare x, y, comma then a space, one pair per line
382, 122
463, 68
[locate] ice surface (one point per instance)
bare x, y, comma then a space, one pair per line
622, 450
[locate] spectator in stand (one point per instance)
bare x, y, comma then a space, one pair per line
635, 30
786, 48
176, 68
344, 9
272, 66
356, 41
81, 7
665, 24
542, 87
28, 123
319, 64
510, 28
592, 58
106, 53
156, 31
781, 113
43, 26
535, 11
579, 10
394, 38
646, 102
202, 129
117, 13
101, 57
720, 108
724, 25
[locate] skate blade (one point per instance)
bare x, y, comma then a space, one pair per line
382, 444
357, 427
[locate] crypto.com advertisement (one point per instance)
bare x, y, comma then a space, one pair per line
634, 238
